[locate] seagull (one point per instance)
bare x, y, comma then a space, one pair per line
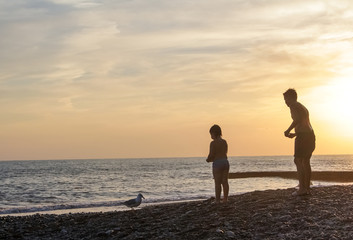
135, 202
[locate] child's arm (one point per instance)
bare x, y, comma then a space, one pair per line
212, 154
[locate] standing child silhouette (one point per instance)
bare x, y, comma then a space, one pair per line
220, 165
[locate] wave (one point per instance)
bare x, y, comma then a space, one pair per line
96, 205
110, 205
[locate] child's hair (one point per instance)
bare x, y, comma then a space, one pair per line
290, 93
216, 130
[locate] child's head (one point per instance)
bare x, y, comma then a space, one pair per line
216, 131
291, 93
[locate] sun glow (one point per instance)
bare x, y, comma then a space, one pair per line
333, 105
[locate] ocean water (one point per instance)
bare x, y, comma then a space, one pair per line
63, 186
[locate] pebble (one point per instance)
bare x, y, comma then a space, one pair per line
230, 234
270, 214
219, 230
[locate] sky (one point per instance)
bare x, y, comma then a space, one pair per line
144, 79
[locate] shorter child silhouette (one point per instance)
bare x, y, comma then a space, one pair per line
220, 164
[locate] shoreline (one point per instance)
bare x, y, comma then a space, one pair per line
118, 206
82, 210
272, 214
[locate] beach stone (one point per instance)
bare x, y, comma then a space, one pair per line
227, 224
285, 218
109, 232
219, 230
272, 214
188, 212
230, 234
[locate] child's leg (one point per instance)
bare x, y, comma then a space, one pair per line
225, 184
225, 190
217, 175
218, 190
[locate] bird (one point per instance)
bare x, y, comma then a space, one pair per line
135, 202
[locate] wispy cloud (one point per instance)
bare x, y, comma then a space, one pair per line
130, 61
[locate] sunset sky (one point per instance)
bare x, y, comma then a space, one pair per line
121, 79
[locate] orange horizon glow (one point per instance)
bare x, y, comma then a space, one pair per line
80, 79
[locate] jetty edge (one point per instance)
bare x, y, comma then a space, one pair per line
329, 176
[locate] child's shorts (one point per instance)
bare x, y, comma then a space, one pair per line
220, 168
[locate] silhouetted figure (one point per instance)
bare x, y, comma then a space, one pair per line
304, 141
220, 165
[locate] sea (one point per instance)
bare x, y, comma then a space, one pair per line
100, 185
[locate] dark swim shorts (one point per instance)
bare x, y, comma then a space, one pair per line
220, 168
304, 144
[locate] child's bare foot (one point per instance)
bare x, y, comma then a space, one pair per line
299, 193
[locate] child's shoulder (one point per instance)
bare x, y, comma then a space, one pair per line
219, 140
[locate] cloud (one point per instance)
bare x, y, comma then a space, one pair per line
138, 61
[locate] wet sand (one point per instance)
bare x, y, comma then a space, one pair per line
273, 214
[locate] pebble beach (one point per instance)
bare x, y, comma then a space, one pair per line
272, 214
